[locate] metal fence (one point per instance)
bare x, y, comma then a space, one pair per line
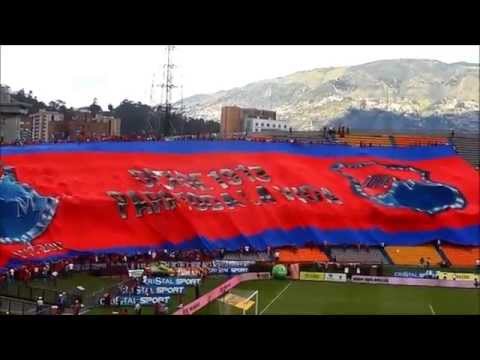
21, 291
20, 307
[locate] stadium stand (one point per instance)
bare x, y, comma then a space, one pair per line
415, 140
365, 139
302, 255
468, 148
461, 255
412, 255
371, 255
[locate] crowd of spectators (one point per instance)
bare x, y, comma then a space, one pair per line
329, 136
64, 267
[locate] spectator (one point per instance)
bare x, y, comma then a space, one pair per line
138, 309
76, 307
61, 302
39, 304
477, 263
277, 255
36, 271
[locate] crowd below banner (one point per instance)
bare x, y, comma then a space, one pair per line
182, 263
194, 264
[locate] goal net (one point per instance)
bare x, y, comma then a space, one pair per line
238, 302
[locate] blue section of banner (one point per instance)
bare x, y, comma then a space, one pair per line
199, 147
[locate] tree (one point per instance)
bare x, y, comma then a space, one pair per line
95, 108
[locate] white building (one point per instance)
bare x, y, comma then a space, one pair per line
256, 125
42, 129
11, 113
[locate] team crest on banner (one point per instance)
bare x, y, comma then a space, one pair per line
24, 214
400, 186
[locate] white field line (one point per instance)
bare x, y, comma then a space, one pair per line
431, 309
276, 297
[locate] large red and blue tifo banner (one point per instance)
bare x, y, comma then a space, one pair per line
65, 199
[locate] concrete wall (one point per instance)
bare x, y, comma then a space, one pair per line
9, 128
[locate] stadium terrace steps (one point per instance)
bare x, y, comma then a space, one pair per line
372, 255
410, 140
392, 140
411, 255
302, 255
461, 255
468, 148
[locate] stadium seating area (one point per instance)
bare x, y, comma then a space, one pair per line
412, 140
461, 255
411, 255
468, 148
302, 255
365, 140
371, 255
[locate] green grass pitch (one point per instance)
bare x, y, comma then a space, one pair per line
286, 297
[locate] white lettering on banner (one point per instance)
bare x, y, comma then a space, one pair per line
370, 279
172, 281
143, 300
226, 270
232, 263
160, 290
135, 273
335, 277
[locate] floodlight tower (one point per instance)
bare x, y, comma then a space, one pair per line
168, 86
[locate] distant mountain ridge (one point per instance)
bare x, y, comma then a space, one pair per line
406, 88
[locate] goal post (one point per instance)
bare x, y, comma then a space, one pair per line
238, 302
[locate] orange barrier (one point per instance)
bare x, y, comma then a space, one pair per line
411, 255
302, 255
358, 139
406, 140
462, 255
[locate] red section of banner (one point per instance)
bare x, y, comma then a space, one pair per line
87, 218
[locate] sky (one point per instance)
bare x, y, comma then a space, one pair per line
78, 74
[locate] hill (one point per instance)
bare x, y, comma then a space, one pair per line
409, 90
